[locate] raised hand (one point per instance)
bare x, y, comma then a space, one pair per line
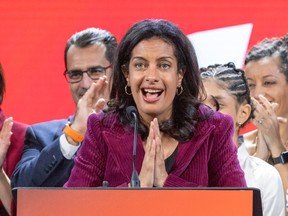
267, 123
160, 173
147, 170
262, 150
153, 172
92, 101
5, 135
5, 189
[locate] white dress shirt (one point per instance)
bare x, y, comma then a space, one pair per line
259, 174
67, 149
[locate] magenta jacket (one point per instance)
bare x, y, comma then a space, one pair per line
209, 159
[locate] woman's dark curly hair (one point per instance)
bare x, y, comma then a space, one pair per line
271, 47
181, 125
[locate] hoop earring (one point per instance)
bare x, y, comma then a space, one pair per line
126, 90
179, 90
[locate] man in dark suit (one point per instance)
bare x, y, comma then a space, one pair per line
50, 147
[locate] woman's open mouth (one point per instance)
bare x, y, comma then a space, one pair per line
151, 95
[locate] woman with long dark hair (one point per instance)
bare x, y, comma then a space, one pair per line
181, 143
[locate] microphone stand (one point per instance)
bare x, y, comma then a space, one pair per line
135, 181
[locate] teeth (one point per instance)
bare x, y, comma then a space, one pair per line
152, 91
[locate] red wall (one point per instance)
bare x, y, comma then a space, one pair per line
33, 34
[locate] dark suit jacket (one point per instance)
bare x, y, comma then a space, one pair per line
42, 163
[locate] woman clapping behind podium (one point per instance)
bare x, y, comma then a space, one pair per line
181, 143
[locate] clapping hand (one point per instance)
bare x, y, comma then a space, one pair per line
92, 101
5, 135
267, 122
5, 192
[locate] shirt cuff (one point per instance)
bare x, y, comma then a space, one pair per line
67, 149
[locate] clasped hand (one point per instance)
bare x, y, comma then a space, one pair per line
153, 172
267, 122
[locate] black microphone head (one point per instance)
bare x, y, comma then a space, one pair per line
130, 110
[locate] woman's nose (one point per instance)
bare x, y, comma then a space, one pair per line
152, 74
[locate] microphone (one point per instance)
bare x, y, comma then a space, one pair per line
135, 181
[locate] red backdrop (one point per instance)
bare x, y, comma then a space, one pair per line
33, 34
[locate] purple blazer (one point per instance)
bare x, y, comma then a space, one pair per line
209, 159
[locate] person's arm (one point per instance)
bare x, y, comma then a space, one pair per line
270, 184
283, 171
268, 125
42, 162
5, 189
90, 162
91, 102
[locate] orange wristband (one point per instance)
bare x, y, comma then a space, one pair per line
77, 137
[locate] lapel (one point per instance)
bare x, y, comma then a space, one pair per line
188, 150
120, 147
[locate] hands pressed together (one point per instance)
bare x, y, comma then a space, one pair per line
153, 172
268, 139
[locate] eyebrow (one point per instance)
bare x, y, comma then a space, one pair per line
268, 76
95, 66
264, 77
166, 57
161, 58
138, 57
